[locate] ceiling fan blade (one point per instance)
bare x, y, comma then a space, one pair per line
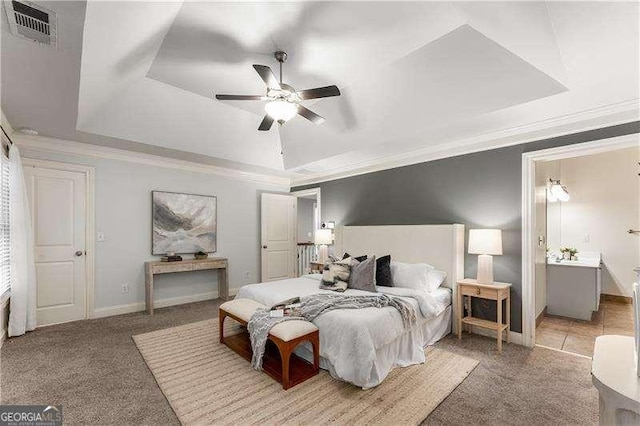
310, 115
267, 75
267, 121
319, 92
241, 97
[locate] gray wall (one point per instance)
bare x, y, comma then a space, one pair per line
478, 190
305, 219
123, 213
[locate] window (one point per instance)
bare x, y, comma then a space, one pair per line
5, 230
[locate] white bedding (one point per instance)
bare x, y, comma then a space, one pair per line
362, 346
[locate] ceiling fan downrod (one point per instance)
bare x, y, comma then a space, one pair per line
281, 57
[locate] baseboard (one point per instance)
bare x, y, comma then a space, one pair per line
616, 298
161, 303
541, 316
513, 335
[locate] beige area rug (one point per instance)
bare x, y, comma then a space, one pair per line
205, 382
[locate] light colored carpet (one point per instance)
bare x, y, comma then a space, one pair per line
206, 382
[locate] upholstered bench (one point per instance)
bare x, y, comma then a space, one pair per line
284, 366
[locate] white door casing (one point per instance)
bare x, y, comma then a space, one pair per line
60, 196
541, 233
278, 236
529, 236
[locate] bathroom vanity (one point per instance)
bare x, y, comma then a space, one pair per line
574, 286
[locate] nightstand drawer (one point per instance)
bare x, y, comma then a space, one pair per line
477, 291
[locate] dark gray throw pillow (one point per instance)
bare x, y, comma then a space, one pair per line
383, 271
363, 275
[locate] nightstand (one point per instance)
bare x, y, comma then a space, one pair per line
316, 267
496, 291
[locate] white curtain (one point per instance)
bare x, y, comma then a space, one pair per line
22, 314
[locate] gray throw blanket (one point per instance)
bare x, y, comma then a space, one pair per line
313, 306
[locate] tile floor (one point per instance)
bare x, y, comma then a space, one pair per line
579, 337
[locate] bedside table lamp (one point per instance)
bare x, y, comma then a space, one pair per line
323, 238
485, 242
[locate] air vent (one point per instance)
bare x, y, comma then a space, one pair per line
32, 22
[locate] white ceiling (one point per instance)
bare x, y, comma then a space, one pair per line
413, 76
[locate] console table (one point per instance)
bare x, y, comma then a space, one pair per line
158, 267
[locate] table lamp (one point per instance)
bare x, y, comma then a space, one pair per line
323, 238
486, 243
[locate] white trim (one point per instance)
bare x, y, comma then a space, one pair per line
162, 303
89, 173
5, 123
41, 143
528, 214
514, 336
610, 115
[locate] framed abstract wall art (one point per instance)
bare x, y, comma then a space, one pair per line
183, 223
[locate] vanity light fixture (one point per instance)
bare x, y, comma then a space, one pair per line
557, 191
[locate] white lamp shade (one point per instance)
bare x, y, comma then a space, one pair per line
485, 241
323, 236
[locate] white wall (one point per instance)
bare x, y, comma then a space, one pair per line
604, 204
123, 213
545, 223
554, 217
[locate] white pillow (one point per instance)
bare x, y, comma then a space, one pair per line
435, 280
410, 275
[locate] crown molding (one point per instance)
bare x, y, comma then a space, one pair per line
5, 123
47, 144
609, 115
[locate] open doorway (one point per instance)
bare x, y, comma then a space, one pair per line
579, 254
308, 221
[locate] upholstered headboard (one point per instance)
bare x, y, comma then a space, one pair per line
439, 245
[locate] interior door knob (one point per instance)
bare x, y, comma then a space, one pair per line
264, 247
78, 253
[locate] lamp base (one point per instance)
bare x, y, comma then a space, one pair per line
485, 269
323, 253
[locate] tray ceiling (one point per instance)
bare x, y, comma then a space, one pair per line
413, 75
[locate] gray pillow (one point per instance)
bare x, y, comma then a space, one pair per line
363, 275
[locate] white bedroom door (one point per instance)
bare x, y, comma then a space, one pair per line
278, 236
58, 211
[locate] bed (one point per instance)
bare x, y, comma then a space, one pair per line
362, 346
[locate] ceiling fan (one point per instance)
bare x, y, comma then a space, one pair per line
283, 100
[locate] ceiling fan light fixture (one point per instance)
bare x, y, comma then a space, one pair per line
281, 110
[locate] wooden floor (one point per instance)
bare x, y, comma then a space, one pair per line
579, 337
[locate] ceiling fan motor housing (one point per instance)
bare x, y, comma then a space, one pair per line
280, 56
